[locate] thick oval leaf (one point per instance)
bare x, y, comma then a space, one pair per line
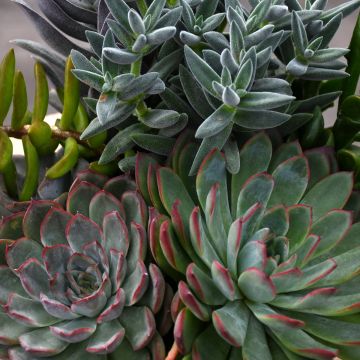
255, 157
103, 203
106, 338
81, 231
74, 330
139, 324
291, 180
256, 286
257, 189
34, 216
53, 227
42, 342
187, 327
231, 322
331, 193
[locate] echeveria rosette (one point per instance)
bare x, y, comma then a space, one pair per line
268, 262
74, 283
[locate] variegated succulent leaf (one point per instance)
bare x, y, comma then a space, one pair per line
75, 280
269, 257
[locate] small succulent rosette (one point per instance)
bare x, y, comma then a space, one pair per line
73, 278
269, 260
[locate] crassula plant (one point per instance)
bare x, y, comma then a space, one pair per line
218, 67
74, 283
268, 259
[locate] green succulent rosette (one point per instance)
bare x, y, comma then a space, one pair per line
74, 283
267, 258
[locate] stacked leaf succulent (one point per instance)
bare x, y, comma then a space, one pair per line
267, 259
240, 71
74, 283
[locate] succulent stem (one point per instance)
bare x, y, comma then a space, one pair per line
136, 67
56, 134
141, 109
173, 353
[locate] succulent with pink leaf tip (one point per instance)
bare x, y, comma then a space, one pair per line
268, 260
75, 284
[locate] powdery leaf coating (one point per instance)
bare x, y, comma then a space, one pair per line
222, 68
77, 283
267, 273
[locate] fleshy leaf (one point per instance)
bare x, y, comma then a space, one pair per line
78, 232
74, 330
318, 197
256, 286
231, 322
42, 342
291, 180
106, 338
139, 324
52, 230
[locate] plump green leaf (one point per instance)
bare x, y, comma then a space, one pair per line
255, 157
291, 180
231, 321
330, 193
42, 342
202, 72
257, 189
249, 118
139, 324
256, 286
216, 122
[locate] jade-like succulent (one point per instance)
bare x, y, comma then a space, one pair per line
268, 259
218, 67
73, 279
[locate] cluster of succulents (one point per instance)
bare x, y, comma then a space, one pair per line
268, 267
43, 171
214, 66
198, 207
73, 276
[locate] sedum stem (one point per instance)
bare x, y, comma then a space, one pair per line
57, 133
136, 67
173, 353
141, 109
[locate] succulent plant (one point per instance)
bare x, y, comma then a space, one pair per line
243, 70
42, 172
72, 17
267, 258
74, 283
